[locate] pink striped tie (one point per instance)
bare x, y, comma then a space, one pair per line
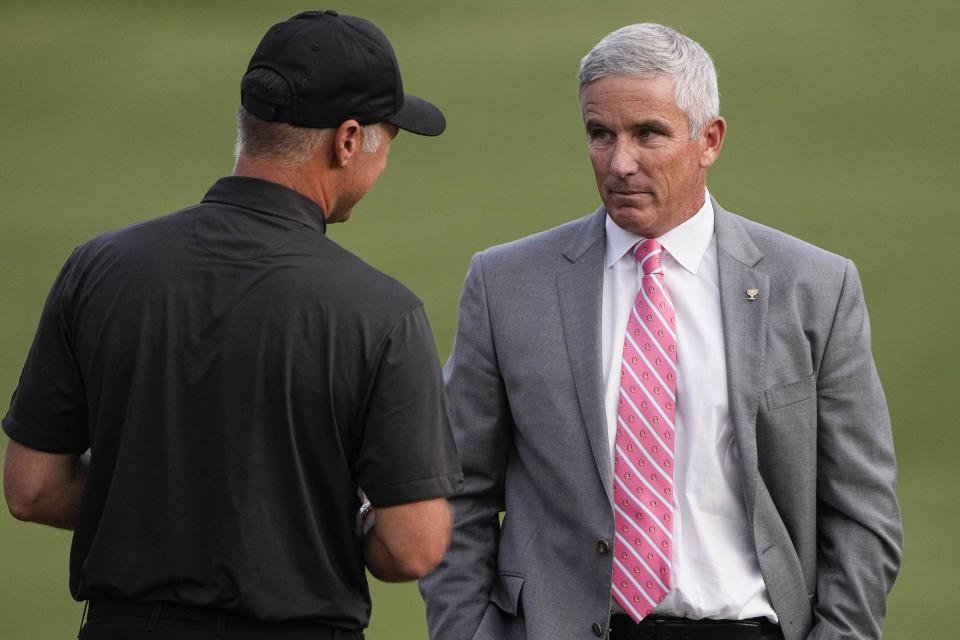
643, 462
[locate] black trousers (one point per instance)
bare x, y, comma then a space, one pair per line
120, 620
667, 628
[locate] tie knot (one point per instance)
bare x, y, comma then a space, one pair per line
648, 253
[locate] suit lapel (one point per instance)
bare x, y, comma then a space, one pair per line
743, 312
580, 289
744, 296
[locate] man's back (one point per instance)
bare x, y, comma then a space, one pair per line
226, 355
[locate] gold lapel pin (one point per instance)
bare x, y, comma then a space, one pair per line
752, 294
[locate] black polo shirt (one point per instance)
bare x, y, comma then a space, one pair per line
238, 377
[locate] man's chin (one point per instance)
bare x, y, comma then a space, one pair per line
340, 216
642, 221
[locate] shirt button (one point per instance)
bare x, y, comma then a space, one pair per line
597, 629
602, 546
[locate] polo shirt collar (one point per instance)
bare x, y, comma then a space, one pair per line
269, 198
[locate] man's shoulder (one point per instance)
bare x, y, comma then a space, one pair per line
135, 245
775, 245
568, 238
312, 266
141, 234
368, 284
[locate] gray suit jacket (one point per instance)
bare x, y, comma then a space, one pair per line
525, 393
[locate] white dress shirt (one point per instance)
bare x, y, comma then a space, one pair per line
715, 570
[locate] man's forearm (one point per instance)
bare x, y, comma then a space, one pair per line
407, 541
381, 562
42, 487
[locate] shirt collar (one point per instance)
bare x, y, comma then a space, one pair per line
686, 243
269, 198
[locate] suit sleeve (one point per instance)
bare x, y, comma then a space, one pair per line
457, 593
858, 524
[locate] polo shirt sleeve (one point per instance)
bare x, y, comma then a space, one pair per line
48, 411
407, 452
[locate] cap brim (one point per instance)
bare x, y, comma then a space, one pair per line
419, 116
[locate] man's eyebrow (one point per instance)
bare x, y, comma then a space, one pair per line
657, 126
653, 124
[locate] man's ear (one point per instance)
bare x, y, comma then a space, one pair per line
347, 141
713, 135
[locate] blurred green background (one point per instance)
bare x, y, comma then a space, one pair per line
842, 131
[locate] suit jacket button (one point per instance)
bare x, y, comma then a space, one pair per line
602, 546
597, 629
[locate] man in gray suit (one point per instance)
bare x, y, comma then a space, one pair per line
780, 518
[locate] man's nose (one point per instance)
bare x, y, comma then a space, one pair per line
624, 160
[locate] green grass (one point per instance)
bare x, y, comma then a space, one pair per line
841, 131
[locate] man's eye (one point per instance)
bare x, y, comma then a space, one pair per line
645, 134
599, 134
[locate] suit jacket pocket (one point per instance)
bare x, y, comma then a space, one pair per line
790, 393
506, 593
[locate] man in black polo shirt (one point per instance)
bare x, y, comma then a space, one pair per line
209, 392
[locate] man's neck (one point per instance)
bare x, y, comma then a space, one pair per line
299, 178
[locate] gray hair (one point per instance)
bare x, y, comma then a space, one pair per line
281, 142
372, 137
650, 50
287, 144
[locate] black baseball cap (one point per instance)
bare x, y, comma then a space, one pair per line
338, 67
